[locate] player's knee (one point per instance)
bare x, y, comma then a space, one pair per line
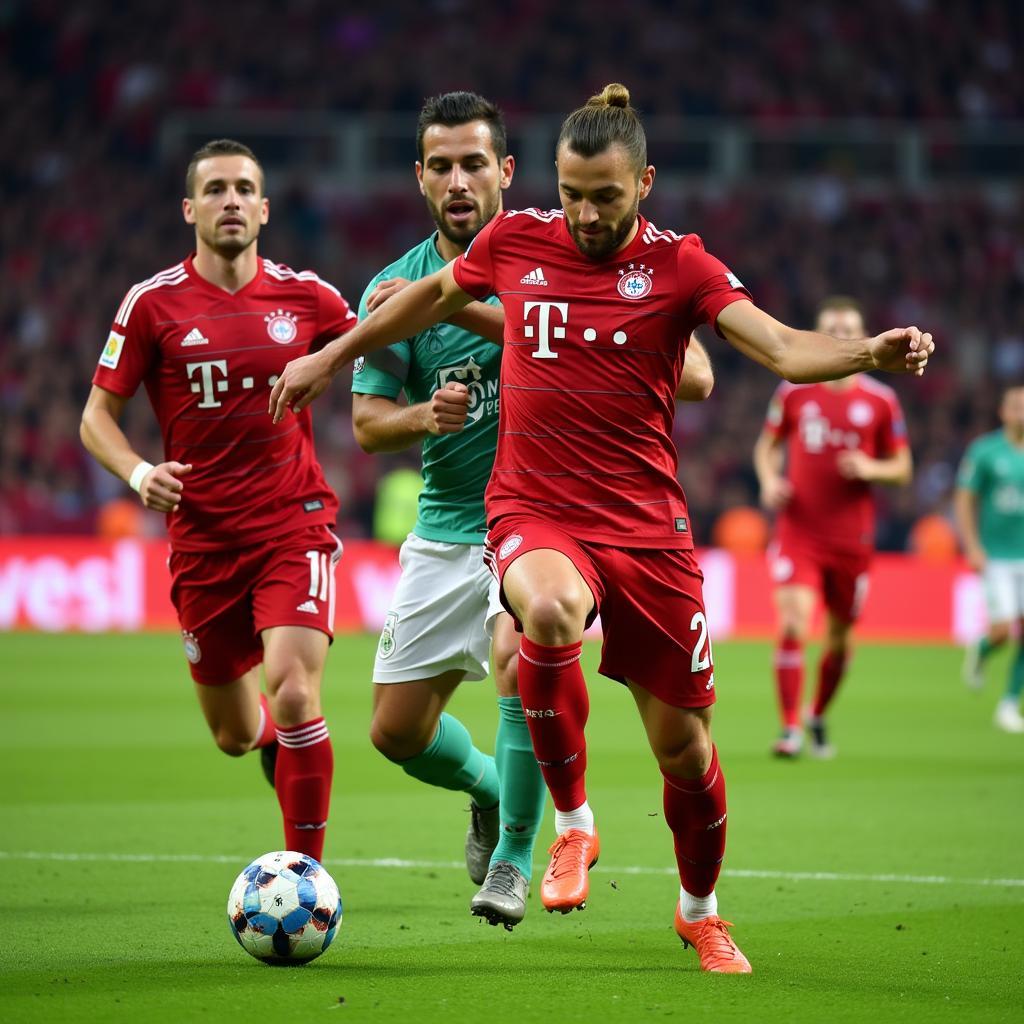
395, 741
555, 617
231, 743
688, 756
295, 700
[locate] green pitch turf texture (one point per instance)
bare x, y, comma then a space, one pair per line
883, 886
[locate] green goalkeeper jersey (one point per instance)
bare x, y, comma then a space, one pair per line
456, 467
993, 468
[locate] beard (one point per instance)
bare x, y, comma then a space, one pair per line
228, 246
601, 246
462, 234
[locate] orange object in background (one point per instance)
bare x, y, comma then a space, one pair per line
741, 530
118, 519
933, 539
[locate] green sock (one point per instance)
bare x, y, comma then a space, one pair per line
985, 648
522, 787
1015, 684
452, 762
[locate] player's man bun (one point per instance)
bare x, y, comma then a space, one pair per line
606, 118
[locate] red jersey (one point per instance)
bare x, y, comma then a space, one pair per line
592, 358
208, 359
817, 422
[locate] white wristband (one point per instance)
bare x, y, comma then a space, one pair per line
139, 474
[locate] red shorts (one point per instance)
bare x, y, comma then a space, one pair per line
840, 576
650, 601
224, 599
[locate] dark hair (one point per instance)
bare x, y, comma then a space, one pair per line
602, 120
454, 108
839, 304
218, 147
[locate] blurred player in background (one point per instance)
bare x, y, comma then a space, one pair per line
822, 447
585, 511
446, 605
989, 508
248, 510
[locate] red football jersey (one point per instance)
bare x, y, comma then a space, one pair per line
593, 354
817, 422
208, 359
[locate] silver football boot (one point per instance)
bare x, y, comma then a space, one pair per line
502, 898
481, 839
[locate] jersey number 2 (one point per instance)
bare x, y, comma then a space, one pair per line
701, 659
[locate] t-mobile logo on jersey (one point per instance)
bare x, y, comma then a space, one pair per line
544, 330
209, 387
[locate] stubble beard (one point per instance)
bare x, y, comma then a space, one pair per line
462, 236
605, 245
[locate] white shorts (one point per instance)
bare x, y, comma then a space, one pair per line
441, 616
1004, 589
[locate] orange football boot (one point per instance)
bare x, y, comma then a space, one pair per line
710, 937
566, 883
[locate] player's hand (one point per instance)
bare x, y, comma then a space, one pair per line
303, 380
161, 487
976, 557
383, 291
447, 409
902, 350
776, 492
854, 464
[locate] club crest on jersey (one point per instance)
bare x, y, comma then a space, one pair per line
386, 645
192, 651
636, 282
281, 326
861, 413
510, 545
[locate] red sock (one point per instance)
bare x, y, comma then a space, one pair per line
556, 705
305, 767
268, 729
830, 672
789, 680
695, 811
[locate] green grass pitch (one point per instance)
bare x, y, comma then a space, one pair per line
887, 885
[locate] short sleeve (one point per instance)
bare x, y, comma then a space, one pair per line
971, 473
776, 421
334, 315
474, 269
706, 284
130, 349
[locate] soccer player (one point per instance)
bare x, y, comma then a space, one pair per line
446, 603
822, 447
585, 512
988, 505
248, 510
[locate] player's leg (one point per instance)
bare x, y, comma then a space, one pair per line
543, 585
1011, 608
502, 897
1011, 699
237, 714
794, 606
434, 638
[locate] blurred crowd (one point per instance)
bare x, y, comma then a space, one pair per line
89, 208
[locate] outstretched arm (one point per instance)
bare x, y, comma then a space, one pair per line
415, 308
805, 356
698, 379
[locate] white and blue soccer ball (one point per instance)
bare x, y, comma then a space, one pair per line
284, 908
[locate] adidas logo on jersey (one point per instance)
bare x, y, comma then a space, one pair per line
194, 337
308, 606
535, 276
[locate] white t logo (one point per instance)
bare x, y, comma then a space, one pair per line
207, 384
547, 332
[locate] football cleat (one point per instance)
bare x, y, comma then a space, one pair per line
502, 897
820, 746
971, 670
789, 744
1008, 717
268, 761
566, 882
481, 839
715, 947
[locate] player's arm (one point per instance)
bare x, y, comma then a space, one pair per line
769, 457
159, 486
965, 515
480, 318
698, 379
380, 424
412, 310
806, 356
896, 469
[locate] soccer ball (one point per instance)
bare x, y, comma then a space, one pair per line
284, 908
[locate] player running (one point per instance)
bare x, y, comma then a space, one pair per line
989, 508
584, 509
446, 606
248, 510
836, 439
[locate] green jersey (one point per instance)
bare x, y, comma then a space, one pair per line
993, 468
456, 467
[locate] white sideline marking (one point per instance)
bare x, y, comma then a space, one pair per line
395, 862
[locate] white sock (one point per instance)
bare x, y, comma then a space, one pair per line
695, 908
582, 818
